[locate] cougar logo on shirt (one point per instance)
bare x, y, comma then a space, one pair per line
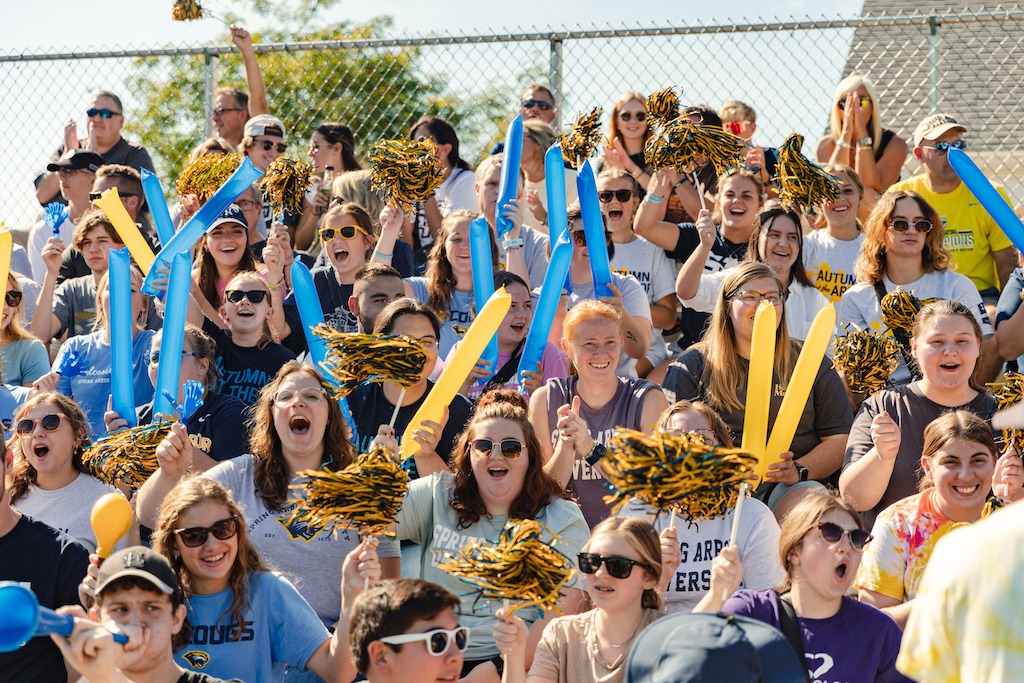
196, 658
301, 530
460, 330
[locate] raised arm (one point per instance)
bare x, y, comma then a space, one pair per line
253, 76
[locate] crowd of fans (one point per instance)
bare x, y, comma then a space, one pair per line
216, 580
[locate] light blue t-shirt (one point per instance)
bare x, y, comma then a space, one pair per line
460, 314
89, 384
23, 361
11, 398
280, 628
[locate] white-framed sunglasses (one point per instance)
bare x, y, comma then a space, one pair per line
438, 640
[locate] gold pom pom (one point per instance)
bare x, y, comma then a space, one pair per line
186, 10
285, 183
582, 139
662, 107
1009, 393
127, 456
801, 181
354, 359
866, 359
404, 172
684, 146
204, 176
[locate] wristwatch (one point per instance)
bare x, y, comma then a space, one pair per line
864, 142
597, 451
802, 471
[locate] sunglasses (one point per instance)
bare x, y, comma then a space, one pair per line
93, 196
235, 296
195, 536
579, 237
621, 195
49, 423
618, 567
943, 147
13, 298
900, 225
102, 113
438, 641
154, 357
511, 449
424, 138
346, 231
269, 145
627, 116
219, 111
287, 396
863, 101
833, 533
538, 104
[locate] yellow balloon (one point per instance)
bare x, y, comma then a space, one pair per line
759, 384
110, 203
458, 368
6, 245
111, 519
800, 384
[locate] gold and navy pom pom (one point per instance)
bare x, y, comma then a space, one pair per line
801, 181
204, 176
285, 183
404, 172
582, 139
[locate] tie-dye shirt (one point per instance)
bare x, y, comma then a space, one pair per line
903, 537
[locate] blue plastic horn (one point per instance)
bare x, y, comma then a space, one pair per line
23, 618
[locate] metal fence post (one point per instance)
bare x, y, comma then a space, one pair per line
555, 77
933, 62
210, 78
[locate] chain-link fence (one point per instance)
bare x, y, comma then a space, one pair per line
968, 63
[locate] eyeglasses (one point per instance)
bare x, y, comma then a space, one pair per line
219, 111
93, 196
833, 533
511, 449
154, 357
270, 144
102, 113
438, 641
346, 231
943, 146
900, 225
621, 195
537, 104
13, 298
195, 536
627, 116
286, 396
49, 423
863, 101
247, 204
235, 296
618, 567
751, 298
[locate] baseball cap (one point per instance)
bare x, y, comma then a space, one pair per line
691, 648
264, 124
76, 160
934, 126
144, 563
232, 214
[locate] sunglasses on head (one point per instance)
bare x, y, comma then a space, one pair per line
900, 225
511, 449
49, 423
195, 536
102, 113
618, 567
270, 144
833, 533
345, 231
627, 116
438, 640
863, 101
943, 146
538, 104
235, 296
621, 195
13, 298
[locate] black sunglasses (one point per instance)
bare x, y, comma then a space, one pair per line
13, 298
49, 423
618, 567
900, 225
235, 296
195, 536
510, 448
863, 101
641, 116
539, 104
269, 145
93, 196
102, 113
833, 533
622, 195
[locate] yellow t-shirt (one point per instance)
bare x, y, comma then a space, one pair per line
971, 233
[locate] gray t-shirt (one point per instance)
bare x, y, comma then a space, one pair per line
309, 557
68, 508
74, 304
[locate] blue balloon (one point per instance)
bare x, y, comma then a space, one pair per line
1001, 212
547, 303
508, 187
311, 314
172, 340
157, 206
554, 187
184, 239
121, 380
593, 229
24, 618
483, 282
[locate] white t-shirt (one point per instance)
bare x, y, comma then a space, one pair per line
655, 273
37, 238
68, 508
829, 262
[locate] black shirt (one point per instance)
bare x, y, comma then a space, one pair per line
244, 371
